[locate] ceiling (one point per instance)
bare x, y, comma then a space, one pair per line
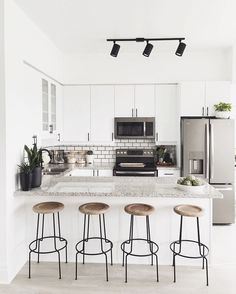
78, 26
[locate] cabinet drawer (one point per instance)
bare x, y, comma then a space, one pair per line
80, 173
168, 173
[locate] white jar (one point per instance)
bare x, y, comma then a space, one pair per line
222, 114
89, 159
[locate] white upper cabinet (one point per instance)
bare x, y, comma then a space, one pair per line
76, 113
199, 98
124, 101
102, 113
216, 92
192, 98
145, 101
167, 118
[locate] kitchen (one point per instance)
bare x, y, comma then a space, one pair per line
91, 89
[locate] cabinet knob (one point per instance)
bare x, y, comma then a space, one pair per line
88, 136
112, 136
136, 112
207, 110
132, 112
51, 128
58, 137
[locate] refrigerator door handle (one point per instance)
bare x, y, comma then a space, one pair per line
212, 151
206, 151
224, 189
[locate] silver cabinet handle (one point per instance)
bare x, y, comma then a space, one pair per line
58, 137
132, 112
212, 151
207, 110
206, 151
112, 136
98, 173
136, 112
156, 136
203, 111
93, 173
168, 174
88, 136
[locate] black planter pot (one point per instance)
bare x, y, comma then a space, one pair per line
25, 181
36, 177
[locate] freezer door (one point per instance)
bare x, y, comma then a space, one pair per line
195, 147
224, 209
221, 151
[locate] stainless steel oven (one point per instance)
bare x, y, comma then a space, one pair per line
135, 163
134, 127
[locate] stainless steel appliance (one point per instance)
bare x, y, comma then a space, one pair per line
207, 151
134, 127
57, 156
135, 162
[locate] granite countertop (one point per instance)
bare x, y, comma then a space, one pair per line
115, 187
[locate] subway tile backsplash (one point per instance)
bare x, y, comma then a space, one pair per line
106, 153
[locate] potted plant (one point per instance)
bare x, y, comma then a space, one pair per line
89, 157
35, 161
25, 176
222, 110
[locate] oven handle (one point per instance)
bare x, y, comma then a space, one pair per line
136, 172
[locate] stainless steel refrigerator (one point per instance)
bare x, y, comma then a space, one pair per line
207, 151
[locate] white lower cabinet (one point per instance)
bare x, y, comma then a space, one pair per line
168, 173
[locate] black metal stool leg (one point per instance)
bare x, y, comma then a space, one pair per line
157, 267
59, 230
101, 239
149, 237
40, 239
207, 282
84, 233
55, 245
126, 267
76, 265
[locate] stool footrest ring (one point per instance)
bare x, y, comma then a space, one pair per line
82, 251
35, 243
204, 250
153, 247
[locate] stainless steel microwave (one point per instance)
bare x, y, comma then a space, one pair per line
134, 127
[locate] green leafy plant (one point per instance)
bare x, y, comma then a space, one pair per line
222, 106
34, 156
25, 168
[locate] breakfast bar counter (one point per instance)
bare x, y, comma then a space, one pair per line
160, 192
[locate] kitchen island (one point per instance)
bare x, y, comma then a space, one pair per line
160, 192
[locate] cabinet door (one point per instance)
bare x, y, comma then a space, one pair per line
192, 98
216, 92
167, 118
76, 116
124, 101
102, 113
145, 100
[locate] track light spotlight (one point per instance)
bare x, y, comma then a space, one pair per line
148, 49
115, 50
180, 49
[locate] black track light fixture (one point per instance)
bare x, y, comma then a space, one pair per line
180, 49
115, 50
148, 49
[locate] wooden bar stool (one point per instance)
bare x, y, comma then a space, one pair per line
59, 243
88, 209
185, 210
139, 209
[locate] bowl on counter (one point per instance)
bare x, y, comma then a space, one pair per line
192, 189
191, 184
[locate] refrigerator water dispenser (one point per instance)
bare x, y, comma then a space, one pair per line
196, 166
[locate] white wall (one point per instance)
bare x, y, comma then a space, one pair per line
23, 41
132, 67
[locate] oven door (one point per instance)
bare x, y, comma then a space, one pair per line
119, 173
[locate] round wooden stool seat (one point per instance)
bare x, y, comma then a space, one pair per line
94, 208
139, 209
48, 207
188, 210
